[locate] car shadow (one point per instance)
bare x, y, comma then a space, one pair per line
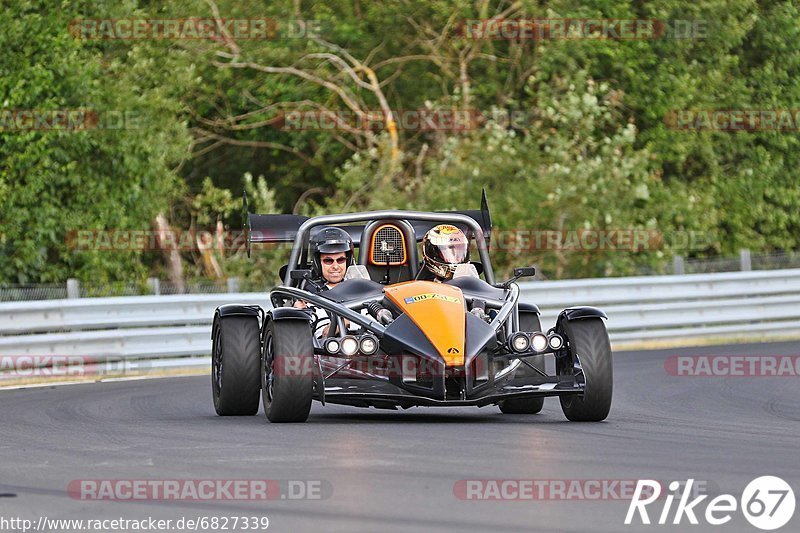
394, 417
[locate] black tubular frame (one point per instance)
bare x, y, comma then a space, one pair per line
330, 220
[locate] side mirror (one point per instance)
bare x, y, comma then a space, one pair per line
521, 272
524, 272
300, 274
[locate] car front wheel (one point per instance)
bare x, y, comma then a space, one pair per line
287, 371
235, 355
588, 345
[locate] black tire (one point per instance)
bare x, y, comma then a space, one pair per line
588, 338
287, 371
526, 406
235, 365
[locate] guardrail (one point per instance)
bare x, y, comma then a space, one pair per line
760, 304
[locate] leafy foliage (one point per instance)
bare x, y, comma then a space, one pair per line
571, 134
54, 182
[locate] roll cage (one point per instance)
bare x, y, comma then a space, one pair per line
300, 246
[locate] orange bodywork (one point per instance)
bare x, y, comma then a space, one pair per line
438, 310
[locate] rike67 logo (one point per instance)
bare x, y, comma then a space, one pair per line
767, 502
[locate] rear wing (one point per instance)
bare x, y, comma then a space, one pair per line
284, 228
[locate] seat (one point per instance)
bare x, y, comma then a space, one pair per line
389, 251
356, 272
466, 270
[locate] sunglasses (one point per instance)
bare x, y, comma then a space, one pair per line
329, 261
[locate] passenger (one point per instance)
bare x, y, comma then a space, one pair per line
444, 247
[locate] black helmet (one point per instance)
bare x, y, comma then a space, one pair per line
330, 240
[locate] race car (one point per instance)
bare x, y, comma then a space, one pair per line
397, 341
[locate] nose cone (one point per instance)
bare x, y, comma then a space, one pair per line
439, 311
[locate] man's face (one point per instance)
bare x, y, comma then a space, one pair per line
333, 266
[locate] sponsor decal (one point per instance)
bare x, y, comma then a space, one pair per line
447, 229
432, 296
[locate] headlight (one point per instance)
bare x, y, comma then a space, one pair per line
539, 342
519, 342
556, 341
368, 345
349, 345
332, 346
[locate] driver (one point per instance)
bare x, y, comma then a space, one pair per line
444, 247
332, 253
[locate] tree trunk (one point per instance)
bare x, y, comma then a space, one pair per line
169, 246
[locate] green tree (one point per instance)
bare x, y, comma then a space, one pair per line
117, 176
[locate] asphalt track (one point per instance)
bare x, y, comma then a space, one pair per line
396, 470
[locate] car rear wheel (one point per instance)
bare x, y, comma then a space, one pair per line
588, 344
235, 355
526, 406
287, 371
